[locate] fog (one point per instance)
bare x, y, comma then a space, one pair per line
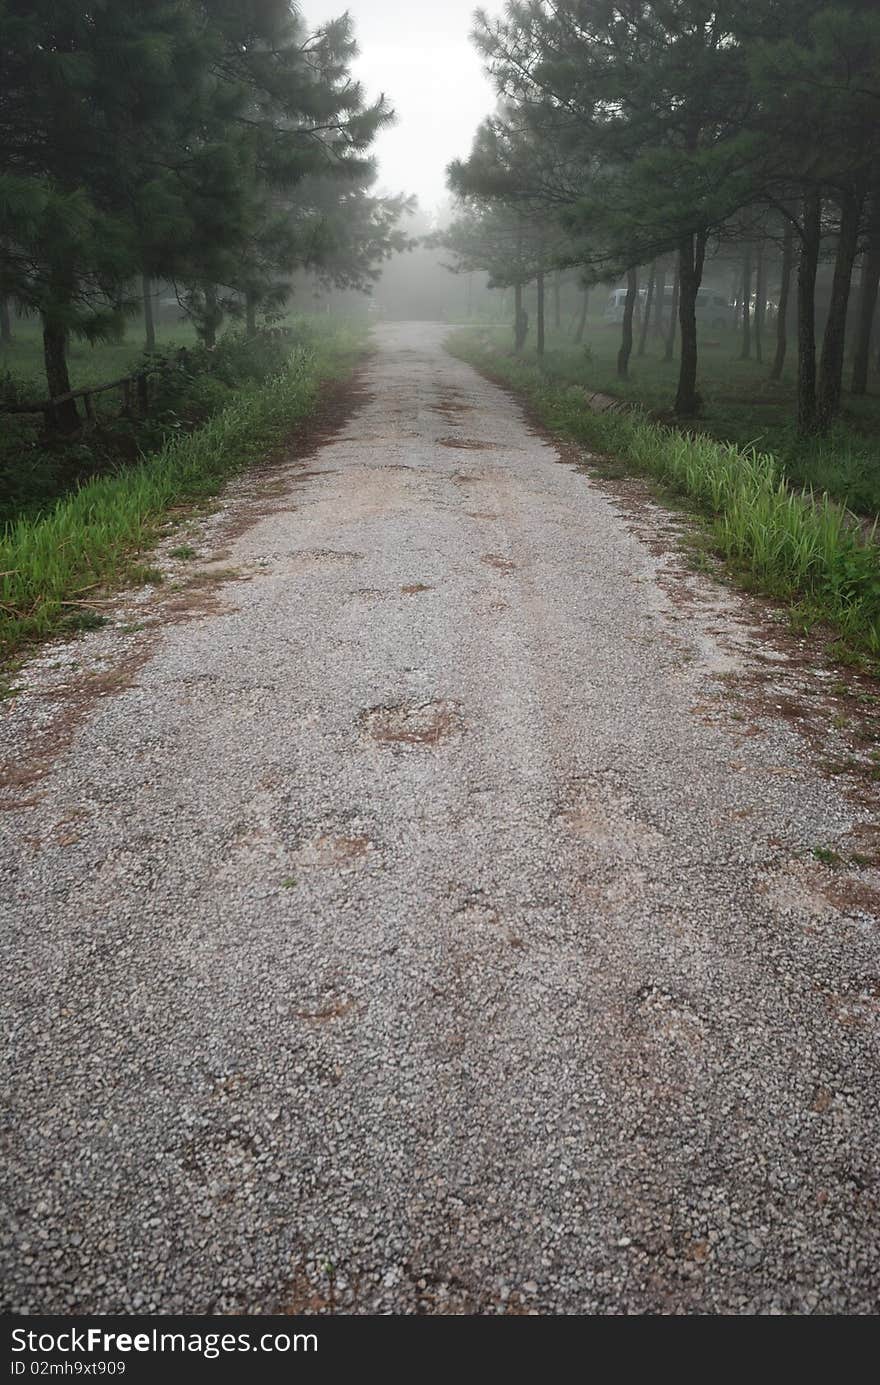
421, 56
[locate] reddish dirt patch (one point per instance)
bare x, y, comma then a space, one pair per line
76, 699
853, 896
415, 587
406, 723
497, 561
330, 850
332, 1009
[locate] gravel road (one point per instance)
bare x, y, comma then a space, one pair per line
419, 923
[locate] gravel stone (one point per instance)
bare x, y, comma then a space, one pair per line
412, 929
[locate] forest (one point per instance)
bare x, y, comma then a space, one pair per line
176, 160
679, 143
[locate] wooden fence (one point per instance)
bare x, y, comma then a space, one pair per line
134, 388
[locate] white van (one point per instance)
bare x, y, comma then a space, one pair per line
713, 309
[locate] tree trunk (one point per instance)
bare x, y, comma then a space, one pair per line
149, 319
211, 322
6, 322
760, 301
540, 316
808, 261
673, 314
784, 292
629, 307
557, 301
746, 352
834, 337
64, 416
649, 300
520, 320
870, 280
582, 320
250, 314
692, 250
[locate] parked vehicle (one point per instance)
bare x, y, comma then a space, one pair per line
713, 308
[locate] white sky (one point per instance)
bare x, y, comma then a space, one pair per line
421, 56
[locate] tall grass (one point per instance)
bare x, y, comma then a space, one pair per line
741, 404
800, 548
49, 563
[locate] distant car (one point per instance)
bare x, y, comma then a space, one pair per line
713, 309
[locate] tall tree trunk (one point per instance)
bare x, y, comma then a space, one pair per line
870, 280
784, 293
746, 352
626, 339
520, 322
250, 314
582, 320
808, 261
149, 318
760, 301
540, 316
5, 321
212, 317
691, 253
557, 300
649, 301
834, 337
65, 416
673, 314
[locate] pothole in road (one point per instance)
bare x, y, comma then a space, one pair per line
468, 444
412, 723
450, 406
331, 850
324, 555
476, 909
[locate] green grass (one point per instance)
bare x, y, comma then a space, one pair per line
741, 404
54, 563
797, 548
87, 364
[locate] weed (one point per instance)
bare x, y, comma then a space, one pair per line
84, 620
827, 857
185, 550
140, 575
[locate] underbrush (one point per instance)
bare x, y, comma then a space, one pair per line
187, 386
52, 564
800, 548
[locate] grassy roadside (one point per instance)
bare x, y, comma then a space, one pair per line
774, 539
741, 404
51, 565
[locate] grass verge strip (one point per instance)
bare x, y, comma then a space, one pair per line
801, 550
88, 539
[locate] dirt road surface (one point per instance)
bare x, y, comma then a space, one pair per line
421, 918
